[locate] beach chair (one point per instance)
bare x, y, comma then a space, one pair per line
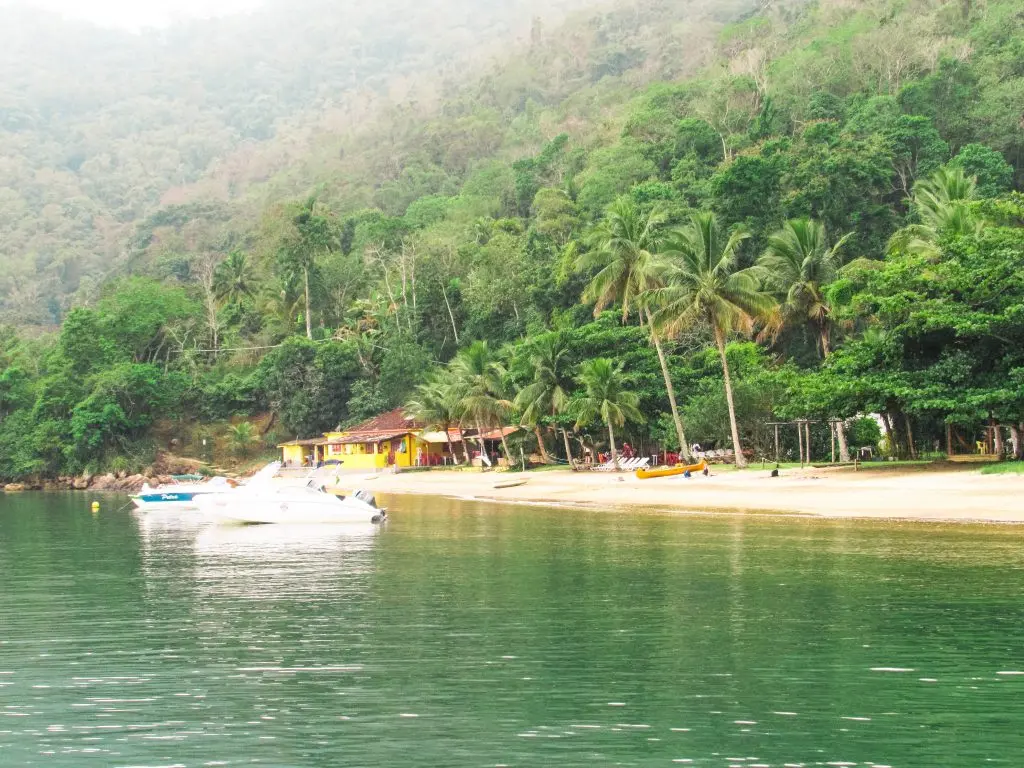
642, 463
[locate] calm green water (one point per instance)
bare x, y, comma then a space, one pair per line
475, 635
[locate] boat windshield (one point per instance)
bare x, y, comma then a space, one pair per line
308, 490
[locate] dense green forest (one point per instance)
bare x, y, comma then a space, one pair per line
648, 219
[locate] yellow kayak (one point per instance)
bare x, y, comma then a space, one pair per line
678, 469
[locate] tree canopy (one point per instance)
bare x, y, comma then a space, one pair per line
777, 211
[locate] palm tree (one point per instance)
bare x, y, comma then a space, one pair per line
944, 189
311, 236
282, 300
242, 437
798, 265
624, 253
233, 278
548, 393
705, 285
605, 398
480, 378
942, 202
437, 404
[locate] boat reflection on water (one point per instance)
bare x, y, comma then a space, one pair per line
284, 541
280, 561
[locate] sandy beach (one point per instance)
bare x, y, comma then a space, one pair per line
928, 494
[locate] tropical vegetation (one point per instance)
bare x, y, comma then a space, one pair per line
655, 221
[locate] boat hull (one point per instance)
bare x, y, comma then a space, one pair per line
650, 474
178, 495
167, 500
270, 511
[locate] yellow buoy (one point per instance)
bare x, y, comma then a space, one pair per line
95, 506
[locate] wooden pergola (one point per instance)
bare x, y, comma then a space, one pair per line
803, 434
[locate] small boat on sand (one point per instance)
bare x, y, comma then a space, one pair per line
678, 469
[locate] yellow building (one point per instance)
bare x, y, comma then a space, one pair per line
388, 440
298, 453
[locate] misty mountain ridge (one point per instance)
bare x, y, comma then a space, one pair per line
98, 124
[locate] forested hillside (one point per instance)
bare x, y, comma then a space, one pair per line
99, 127
775, 211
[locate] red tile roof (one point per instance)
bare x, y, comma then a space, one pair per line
392, 421
367, 437
496, 434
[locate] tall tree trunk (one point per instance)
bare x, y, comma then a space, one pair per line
997, 431
465, 448
504, 445
826, 350
451, 315
911, 447
568, 448
540, 445
309, 309
889, 434
451, 445
683, 447
736, 447
844, 448
611, 442
1015, 439
483, 448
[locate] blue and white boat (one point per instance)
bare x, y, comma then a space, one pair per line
178, 495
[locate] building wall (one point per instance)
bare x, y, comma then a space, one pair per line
362, 461
363, 456
293, 454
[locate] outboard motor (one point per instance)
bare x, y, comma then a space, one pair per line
367, 498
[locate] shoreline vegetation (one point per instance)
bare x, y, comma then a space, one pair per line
598, 245
927, 492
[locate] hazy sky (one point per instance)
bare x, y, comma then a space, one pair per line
133, 14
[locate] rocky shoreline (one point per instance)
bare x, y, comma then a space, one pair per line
160, 472
119, 481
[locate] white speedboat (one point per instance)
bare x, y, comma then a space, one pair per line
178, 495
267, 503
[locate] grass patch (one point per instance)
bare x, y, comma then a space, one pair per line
1004, 468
